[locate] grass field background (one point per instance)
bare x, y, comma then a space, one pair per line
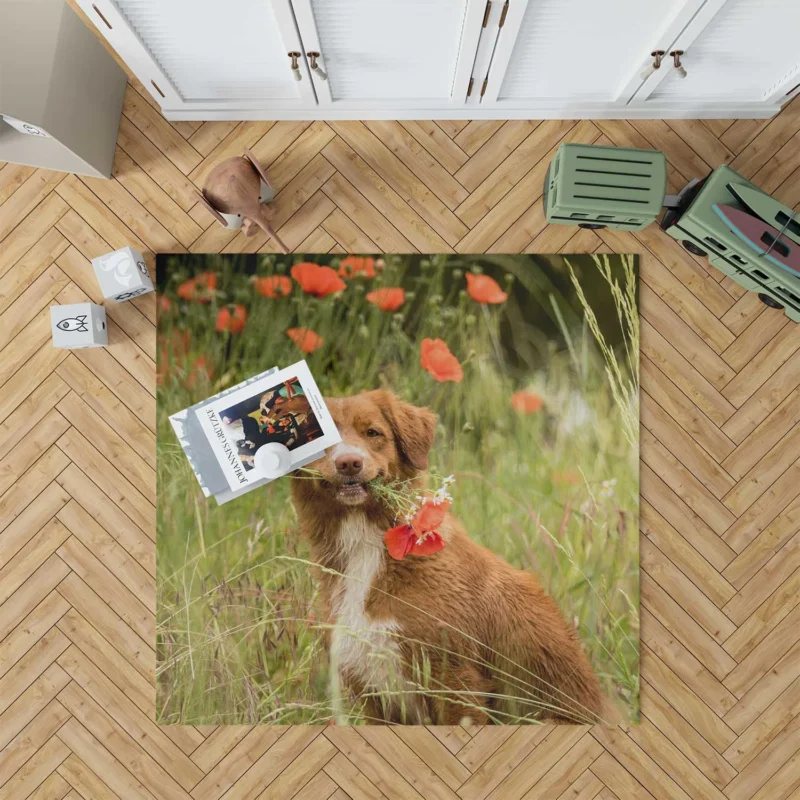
541, 435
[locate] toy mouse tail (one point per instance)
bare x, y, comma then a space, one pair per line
270, 231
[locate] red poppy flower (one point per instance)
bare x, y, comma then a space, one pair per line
274, 286
306, 339
526, 401
200, 288
430, 516
402, 541
316, 280
389, 299
233, 320
439, 362
164, 303
419, 537
357, 267
485, 289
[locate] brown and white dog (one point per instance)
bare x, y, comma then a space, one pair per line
462, 621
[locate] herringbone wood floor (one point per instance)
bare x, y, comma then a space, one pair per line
720, 484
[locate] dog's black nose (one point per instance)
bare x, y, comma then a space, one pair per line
349, 464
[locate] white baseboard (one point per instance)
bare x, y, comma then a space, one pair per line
366, 112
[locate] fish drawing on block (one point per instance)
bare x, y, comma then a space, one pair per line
77, 324
120, 265
762, 238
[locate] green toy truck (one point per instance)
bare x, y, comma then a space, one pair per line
744, 232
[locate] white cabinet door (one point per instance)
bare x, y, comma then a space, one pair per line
747, 51
578, 53
207, 53
410, 54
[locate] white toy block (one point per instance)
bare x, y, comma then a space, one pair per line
122, 274
78, 325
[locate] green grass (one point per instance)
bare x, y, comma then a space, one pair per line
240, 633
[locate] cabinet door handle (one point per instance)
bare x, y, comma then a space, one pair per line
296, 74
676, 59
657, 56
315, 68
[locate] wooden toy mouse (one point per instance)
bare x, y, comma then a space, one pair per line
236, 193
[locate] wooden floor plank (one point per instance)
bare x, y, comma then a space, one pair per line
79, 450
692, 456
12, 176
31, 230
109, 443
153, 198
437, 143
32, 192
515, 194
156, 164
429, 171
159, 131
684, 737
393, 196
85, 782
720, 477
491, 190
682, 554
38, 295
112, 628
100, 761
18, 279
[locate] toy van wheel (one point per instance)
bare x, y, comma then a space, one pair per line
769, 301
693, 248
592, 226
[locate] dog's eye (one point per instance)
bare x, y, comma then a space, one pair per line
372, 433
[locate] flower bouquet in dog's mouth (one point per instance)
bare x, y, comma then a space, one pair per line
418, 512
422, 516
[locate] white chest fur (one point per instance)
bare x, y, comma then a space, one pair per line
364, 648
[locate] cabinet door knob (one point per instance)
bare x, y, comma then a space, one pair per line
676, 59
296, 74
657, 56
315, 68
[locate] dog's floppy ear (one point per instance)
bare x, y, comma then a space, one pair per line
413, 428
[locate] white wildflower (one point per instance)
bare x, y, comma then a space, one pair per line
607, 488
441, 495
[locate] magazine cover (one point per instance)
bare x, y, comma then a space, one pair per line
284, 408
198, 449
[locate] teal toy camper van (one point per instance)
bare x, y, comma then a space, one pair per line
752, 238
696, 223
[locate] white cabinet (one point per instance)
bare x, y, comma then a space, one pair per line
219, 56
340, 59
577, 52
393, 54
739, 51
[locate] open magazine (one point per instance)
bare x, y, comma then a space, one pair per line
227, 437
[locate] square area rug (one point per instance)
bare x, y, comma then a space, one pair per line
468, 553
